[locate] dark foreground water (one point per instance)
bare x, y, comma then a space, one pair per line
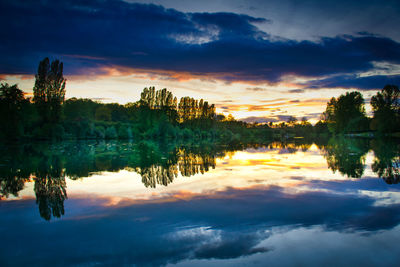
296, 203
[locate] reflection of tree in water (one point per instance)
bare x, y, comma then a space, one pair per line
51, 163
11, 185
387, 160
79, 163
155, 164
291, 147
12, 173
389, 171
159, 164
191, 164
21, 162
50, 187
346, 156
181, 160
157, 174
50, 195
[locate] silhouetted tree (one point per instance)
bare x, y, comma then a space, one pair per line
49, 90
162, 100
103, 113
191, 109
79, 109
321, 127
386, 108
346, 113
291, 121
12, 102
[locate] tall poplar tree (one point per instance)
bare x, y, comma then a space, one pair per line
49, 90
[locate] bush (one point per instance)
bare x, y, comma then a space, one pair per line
151, 133
169, 131
100, 132
226, 135
236, 138
187, 133
49, 132
197, 133
57, 132
91, 131
125, 132
111, 133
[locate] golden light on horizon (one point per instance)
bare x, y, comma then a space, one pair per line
269, 103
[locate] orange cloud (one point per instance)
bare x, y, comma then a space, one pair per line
109, 201
274, 104
5, 76
179, 76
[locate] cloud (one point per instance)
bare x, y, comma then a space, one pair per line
285, 117
273, 106
100, 98
94, 34
273, 118
375, 82
296, 91
265, 119
255, 89
279, 118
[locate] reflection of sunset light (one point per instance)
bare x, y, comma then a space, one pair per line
240, 170
274, 159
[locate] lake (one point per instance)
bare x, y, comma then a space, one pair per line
333, 202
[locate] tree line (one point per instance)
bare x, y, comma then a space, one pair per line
49, 116
159, 115
346, 114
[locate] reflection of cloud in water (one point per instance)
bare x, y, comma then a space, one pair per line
226, 225
208, 243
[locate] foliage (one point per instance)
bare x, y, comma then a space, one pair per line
111, 133
159, 163
103, 113
387, 160
49, 90
158, 115
12, 103
386, 108
346, 156
79, 109
346, 113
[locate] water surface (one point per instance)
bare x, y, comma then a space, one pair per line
123, 203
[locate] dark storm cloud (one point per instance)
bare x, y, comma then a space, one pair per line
92, 34
306, 19
265, 119
354, 81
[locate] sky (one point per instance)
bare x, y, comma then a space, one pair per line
257, 60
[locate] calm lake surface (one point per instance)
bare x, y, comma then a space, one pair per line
119, 203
